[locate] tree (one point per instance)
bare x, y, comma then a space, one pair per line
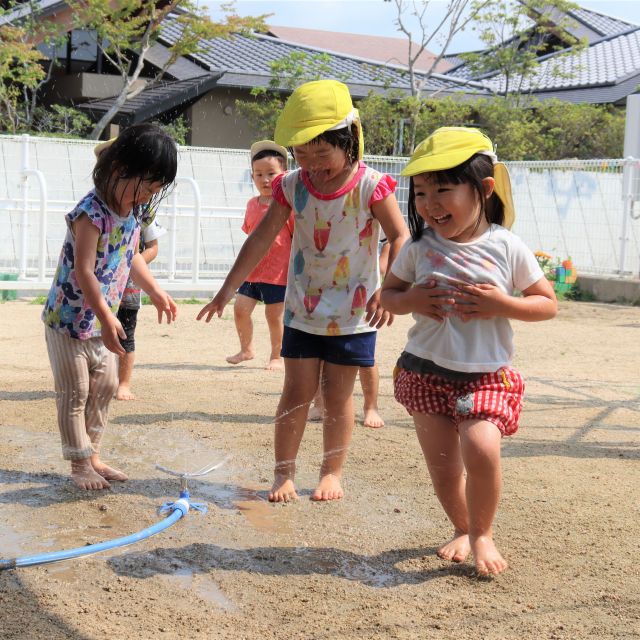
514, 44
458, 14
23, 68
125, 33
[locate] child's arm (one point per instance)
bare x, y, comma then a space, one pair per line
482, 301
253, 250
388, 214
86, 237
150, 251
402, 297
383, 260
162, 301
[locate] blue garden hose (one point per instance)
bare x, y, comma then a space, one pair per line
178, 509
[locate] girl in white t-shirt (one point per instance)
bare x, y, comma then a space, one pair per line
457, 276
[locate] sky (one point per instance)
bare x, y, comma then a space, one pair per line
376, 17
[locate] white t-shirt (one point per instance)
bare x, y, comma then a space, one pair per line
498, 257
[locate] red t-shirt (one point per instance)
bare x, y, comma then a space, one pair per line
272, 269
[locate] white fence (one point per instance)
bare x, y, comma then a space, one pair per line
583, 209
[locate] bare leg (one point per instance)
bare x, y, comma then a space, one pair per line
300, 382
370, 383
242, 310
440, 445
125, 371
480, 445
316, 412
337, 390
274, 313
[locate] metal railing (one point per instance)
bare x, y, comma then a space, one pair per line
586, 209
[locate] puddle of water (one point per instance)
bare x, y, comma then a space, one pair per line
202, 585
258, 511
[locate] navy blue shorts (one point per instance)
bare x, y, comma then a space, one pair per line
263, 292
356, 350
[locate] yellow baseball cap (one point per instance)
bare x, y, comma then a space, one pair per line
316, 107
99, 148
447, 147
268, 145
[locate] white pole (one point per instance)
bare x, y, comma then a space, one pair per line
173, 232
631, 175
25, 208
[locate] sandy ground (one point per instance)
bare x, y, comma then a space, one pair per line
363, 567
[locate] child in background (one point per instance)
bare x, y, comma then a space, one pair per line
268, 281
127, 314
454, 376
332, 307
369, 376
81, 328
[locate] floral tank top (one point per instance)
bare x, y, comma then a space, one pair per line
66, 309
333, 270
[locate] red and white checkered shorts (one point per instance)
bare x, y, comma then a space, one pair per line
495, 397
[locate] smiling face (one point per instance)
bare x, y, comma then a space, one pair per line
452, 210
263, 171
326, 164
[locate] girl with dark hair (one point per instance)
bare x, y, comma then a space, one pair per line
332, 301
454, 376
132, 173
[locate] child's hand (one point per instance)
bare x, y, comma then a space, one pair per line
111, 330
427, 300
377, 316
217, 306
480, 301
164, 303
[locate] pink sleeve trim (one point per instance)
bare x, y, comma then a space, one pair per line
277, 191
386, 187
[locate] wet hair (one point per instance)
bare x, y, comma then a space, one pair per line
144, 152
472, 172
346, 139
270, 153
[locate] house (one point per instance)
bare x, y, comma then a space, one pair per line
383, 49
605, 72
204, 87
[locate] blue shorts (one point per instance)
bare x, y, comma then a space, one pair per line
263, 292
356, 350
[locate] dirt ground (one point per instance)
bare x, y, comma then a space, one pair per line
363, 567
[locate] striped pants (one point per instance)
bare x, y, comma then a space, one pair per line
85, 374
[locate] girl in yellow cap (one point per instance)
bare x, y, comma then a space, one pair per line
455, 376
332, 307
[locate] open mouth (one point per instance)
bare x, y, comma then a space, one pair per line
441, 219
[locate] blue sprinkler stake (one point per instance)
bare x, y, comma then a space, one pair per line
184, 489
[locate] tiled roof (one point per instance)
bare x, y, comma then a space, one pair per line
382, 49
251, 56
152, 102
600, 23
609, 61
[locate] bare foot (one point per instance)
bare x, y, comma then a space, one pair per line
329, 488
283, 490
315, 414
107, 472
124, 393
275, 364
373, 419
85, 477
239, 357
457, 549
487, 558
